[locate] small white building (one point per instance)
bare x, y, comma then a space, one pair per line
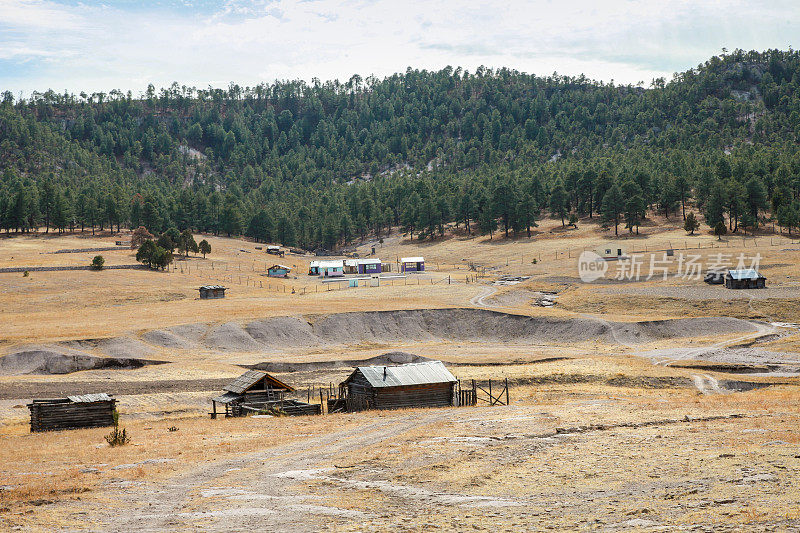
331, 269
612, 251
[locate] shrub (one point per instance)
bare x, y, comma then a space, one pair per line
98, 262
26, 274
117, 437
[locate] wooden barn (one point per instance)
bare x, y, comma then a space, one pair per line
745, 279
427, 384
278, 271
212, 291
72, 412
256, 391
412, 264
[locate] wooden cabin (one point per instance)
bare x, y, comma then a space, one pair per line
212, 291
252, 386
412, 264
278, 271
427, 384
256, 391
331, 269
745, 279
72, 412
369, 266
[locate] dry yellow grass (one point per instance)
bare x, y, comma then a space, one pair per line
613, 475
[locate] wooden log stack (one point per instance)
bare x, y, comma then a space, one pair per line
86, 411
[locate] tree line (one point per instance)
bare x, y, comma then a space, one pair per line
321, 164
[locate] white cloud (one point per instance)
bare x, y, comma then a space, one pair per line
99, 48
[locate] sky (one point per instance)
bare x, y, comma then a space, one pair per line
127, 44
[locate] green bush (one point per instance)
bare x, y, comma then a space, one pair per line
98, 262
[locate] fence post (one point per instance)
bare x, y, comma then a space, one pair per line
506, 391
491, 402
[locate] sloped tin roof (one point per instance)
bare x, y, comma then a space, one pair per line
412, 259
747, 273
90, 398
409, 374
247, 380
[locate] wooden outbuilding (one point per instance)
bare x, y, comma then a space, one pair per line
412, 264
351, 266
275, 250
745, 279
212, 291
256, 391
313, 268
72, 412
278, 271
427, 384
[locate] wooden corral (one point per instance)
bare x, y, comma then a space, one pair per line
86, 411
255, 392
427, 384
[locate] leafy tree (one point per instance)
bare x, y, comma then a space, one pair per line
204, 247
98, 262
186, 243
138, 237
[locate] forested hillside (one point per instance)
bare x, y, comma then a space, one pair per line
320, 164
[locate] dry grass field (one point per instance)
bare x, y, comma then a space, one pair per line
615, 421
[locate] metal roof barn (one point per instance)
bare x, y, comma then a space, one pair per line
747, 278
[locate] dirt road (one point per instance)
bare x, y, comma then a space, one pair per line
261, 489
479, 300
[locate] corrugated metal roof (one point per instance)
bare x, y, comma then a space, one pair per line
212, 287
369, 261
412, 259
331, 264
747, 273
409, 374
90, 398
351, 262
250, 378
284, 267
313, 264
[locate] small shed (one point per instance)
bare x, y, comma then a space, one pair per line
745, 279
369, 266
212, 291
278, 271
612, 251
331, 269
313, 268
427, 384
72, 412
254, 386
412, 264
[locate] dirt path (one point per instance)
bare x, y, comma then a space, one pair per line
266, 491
681, 354
479, 299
